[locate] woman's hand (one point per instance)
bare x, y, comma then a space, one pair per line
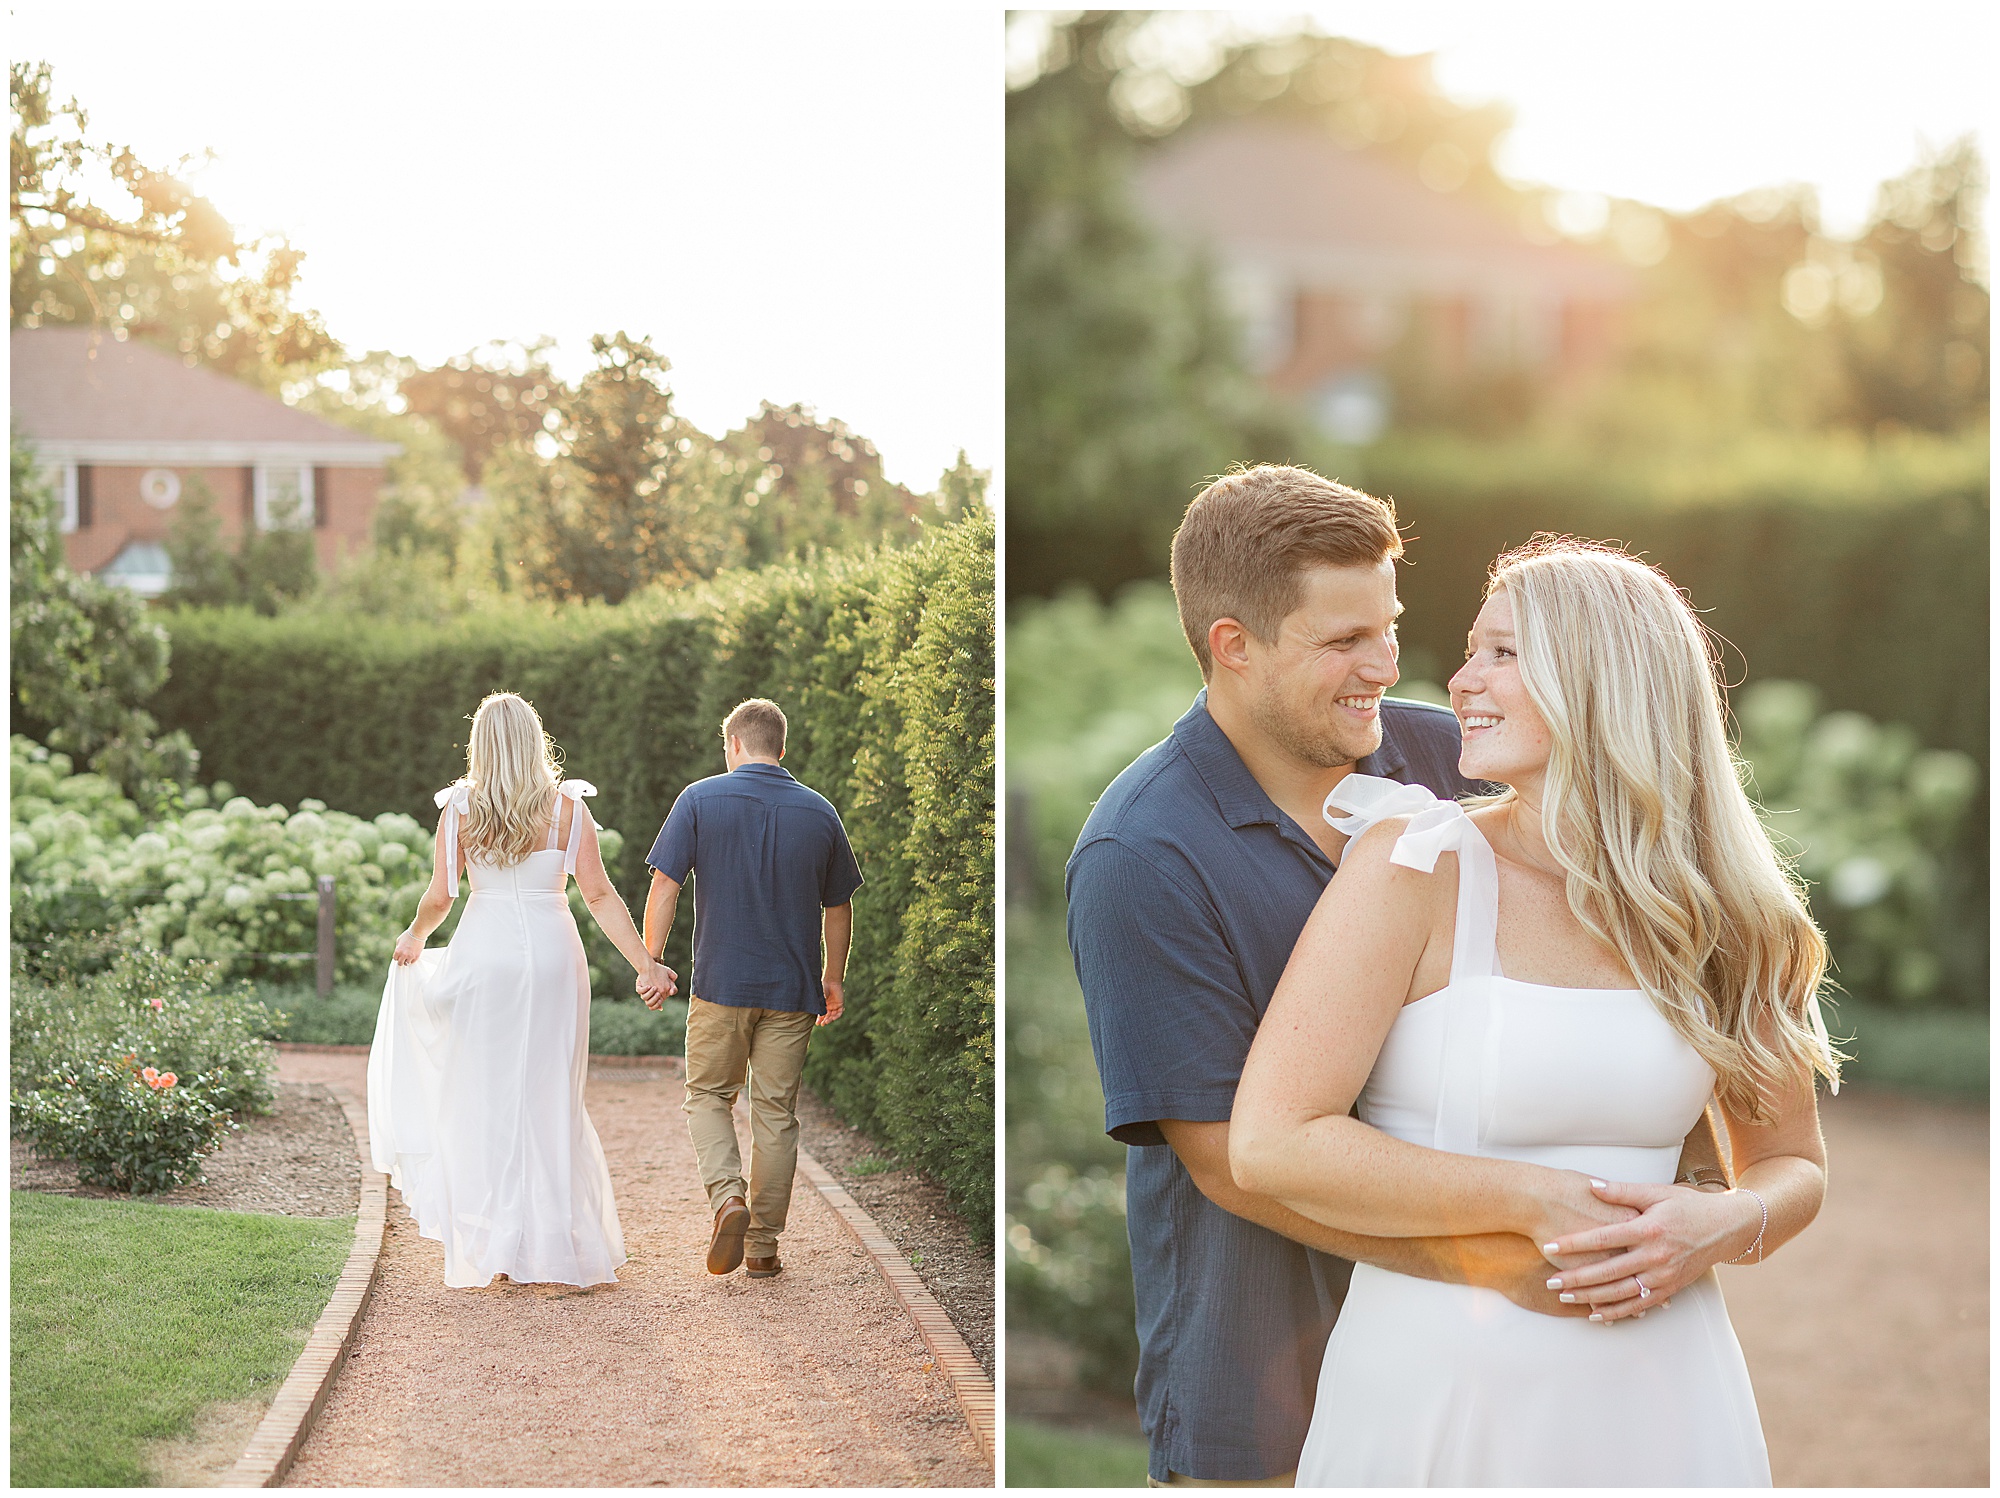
1677, 1235
408, 949
657, 983
1567, 1203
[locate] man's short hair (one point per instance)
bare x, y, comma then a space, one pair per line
1249, 535
759, 723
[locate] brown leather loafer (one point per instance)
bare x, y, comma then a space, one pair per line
761, 1269
725, 1246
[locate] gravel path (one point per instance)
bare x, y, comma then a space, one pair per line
672, 1377
1867, 1336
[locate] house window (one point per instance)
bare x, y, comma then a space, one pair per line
142, 566
86, 496
61, 478
284, 497
320, 493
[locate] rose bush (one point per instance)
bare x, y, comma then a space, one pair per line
127, 1127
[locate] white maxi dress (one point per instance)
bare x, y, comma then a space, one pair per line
475, 1079
1439, 1385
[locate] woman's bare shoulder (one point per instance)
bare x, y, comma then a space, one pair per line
1368, 872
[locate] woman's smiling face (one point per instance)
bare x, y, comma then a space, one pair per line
1505, 739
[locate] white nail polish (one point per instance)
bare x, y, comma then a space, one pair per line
1567, 1299
1549, 1248
1596, 1316
1597, 1183
1554, 1284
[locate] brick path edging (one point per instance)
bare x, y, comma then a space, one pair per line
969, 1383
275, 1444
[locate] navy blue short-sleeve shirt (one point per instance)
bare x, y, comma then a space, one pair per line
768, 854
1187, 891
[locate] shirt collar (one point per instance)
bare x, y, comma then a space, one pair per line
1242, 801
765, 769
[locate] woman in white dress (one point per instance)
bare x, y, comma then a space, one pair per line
475, 1079
1532, 1004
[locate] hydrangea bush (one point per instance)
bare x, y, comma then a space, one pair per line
1874, 820
219, 880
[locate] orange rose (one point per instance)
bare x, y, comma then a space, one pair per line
152, 1077
167, 1079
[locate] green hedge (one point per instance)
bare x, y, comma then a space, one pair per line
884, 666
1860, 569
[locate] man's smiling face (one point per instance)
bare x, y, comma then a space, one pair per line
1316, 690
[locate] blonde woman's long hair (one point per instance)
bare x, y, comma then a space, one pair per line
1644, 807
511, 771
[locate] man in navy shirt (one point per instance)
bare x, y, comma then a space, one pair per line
1190, 884
774, 873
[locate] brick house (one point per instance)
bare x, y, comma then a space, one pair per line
125, 432
1332, 257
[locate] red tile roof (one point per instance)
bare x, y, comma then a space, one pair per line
1291, 197
74, 385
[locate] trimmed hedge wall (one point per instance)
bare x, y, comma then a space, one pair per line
1860, 567
883, 663
1863, 572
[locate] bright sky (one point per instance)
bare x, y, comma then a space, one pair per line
1678, 104
798, 205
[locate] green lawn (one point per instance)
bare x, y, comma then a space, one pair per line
129, 1318
1051, 1456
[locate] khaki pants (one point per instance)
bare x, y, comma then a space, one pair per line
1175, 1480
769, 1045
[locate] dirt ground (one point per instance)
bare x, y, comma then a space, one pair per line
1867, 1337
673, 1377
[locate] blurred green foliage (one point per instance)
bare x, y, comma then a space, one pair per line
1874, 819
1048, 1456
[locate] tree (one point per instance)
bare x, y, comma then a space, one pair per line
1124, 381
486, 399
1921, 357
622, 504
84, 656
791, 482
202, 568
151, 259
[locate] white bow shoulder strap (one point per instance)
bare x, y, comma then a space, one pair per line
1368, 799
455, 800
576, 790
1436, 826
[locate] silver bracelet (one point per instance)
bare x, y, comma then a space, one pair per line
1756, 1244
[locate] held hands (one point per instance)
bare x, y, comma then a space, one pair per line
408, 949
836, 1000
656, 983
1674, 1236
